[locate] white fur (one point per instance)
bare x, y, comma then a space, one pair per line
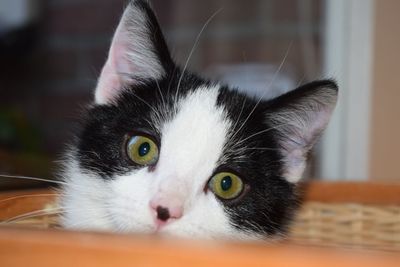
131, 57
191, 145
82, 199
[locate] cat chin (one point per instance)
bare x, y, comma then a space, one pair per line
201, 233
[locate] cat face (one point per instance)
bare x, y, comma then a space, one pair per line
165, 151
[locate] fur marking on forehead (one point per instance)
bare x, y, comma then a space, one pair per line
193, 140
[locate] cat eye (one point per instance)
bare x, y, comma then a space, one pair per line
226, 185
142, 150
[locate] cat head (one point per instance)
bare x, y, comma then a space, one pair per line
165, 151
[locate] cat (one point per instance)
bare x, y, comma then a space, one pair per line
165, 151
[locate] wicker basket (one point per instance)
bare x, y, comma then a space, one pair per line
361, 215
348, 224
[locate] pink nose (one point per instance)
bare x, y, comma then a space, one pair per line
165, 211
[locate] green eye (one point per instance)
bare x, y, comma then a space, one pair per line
226, 185
142, 150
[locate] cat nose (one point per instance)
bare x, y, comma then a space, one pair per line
163, 213
166, 211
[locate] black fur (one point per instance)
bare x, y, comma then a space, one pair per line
156, 35
269, 201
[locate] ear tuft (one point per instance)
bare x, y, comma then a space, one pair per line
299, 117
138, 52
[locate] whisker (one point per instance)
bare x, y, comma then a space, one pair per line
240, 114
300, 82
171, 79
269, 85
16, 221
30, 195
193, 49
262, 148
145, 102
32, 178
35, 213
161, 94
263, 131
42, 212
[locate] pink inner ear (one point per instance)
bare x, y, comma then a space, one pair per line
301, 135
111, 77
108, 84
132, 55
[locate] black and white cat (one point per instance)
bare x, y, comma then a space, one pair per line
165, 151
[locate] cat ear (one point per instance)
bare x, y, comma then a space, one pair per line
299, 117
138, 52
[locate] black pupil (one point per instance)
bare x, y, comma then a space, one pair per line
144, 149
226, 183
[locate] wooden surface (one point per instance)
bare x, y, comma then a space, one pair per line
353, 192
58, 248
29, 247
16, 203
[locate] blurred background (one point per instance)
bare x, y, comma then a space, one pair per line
51, 52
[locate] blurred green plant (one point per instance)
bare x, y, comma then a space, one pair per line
21, 151
17, 133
